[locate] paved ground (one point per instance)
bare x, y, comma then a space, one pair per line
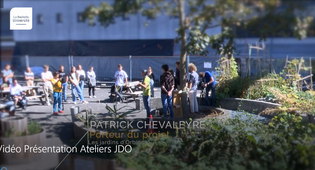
59, 128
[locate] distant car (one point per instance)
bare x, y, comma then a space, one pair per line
37, 70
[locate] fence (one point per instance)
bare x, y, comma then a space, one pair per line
106, 66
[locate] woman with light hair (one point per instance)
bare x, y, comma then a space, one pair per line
29, 77
191, 87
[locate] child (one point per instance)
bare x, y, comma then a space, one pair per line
57, 93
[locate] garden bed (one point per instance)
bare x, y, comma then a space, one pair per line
208, 112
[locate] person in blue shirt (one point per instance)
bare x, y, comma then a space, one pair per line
7, 74
209, 84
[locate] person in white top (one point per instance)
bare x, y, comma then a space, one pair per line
121, 81
48, 88
81, 77
73, 77
16, 92
91, 81
29, 77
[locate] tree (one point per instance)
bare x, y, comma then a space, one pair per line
201, 15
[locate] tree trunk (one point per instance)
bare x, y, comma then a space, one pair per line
183, 53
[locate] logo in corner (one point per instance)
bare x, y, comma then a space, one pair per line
3, 168
21, 18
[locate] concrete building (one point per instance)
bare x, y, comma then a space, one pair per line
60, 22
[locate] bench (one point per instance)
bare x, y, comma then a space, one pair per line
134, 94
40, 97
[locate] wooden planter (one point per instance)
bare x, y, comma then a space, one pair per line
38, 139
13, 126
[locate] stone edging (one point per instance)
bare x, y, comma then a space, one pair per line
251, 106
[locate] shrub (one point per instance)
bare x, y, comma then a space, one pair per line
33, 128
230, 144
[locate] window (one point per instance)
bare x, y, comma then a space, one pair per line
59, 18
80, 17
150, 17
174, 16
5, 24
40, 19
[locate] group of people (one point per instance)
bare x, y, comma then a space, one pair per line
16, 97
169, 82
56, 85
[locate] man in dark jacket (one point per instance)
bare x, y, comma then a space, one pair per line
167, 87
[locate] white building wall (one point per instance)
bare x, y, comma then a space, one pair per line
162, 27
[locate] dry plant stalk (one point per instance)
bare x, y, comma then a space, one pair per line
275, 111
283, 98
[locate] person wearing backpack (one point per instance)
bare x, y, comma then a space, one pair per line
167, 87
91, 81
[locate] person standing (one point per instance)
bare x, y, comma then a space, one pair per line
192, 88
57, 86
64, 80
81, 78
73, 77
209, 84
146, 91
177, 76
167, 87
91, 81
7, 74
48, 89
29, 77
120, 81
152, 78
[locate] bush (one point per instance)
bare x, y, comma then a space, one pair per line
33, 128
230, 144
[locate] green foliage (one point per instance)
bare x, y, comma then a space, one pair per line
114, 111
201, 15
259, 89
229, 82
34, 128
9, 133
231, 144
282, 88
